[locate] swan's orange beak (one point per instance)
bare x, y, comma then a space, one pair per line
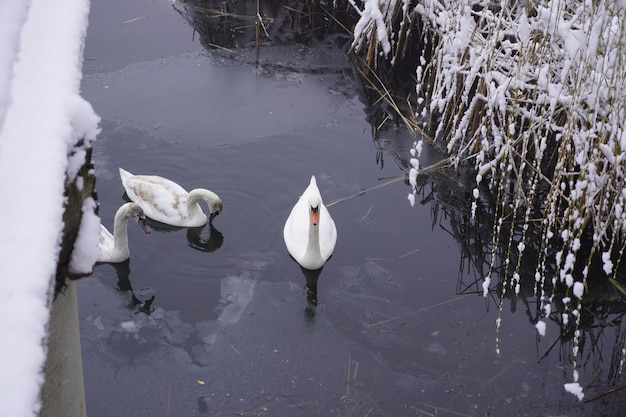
315, 216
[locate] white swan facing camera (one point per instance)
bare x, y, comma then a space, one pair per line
167, 202
310, 233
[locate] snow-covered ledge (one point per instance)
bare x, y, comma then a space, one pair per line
46, 130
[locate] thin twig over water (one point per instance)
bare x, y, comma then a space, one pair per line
395, 258
607, 392
341, 200
139, 18
441, 165
379, 323
169, 400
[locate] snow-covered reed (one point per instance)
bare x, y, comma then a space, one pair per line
532, 95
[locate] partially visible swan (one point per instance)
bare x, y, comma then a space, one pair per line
167, 202
310, 233
114, 247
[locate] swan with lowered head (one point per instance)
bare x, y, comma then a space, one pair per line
114, 247
167, 202
310, 233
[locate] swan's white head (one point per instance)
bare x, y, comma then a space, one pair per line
215, 207
213, 201
134, 211
314, 209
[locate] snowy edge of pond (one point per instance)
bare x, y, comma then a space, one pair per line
42, 116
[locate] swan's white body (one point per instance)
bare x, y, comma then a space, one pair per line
114, 247
167, 202
310, 233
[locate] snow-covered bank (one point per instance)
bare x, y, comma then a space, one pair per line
42, 117
531, 95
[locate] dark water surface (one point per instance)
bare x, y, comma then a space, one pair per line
216, 321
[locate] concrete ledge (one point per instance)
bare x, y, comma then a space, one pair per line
63, 392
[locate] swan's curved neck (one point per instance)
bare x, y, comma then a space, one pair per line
120, 230
197, 195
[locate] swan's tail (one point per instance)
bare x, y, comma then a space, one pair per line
125, 175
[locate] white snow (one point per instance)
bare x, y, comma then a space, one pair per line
541, 327
579, 289
373, 20
576, 389
86, 249
486, 283
607, 264
41, 118
13, 16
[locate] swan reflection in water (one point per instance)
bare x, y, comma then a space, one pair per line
124, 286
197, 240
311, 277
196, 236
